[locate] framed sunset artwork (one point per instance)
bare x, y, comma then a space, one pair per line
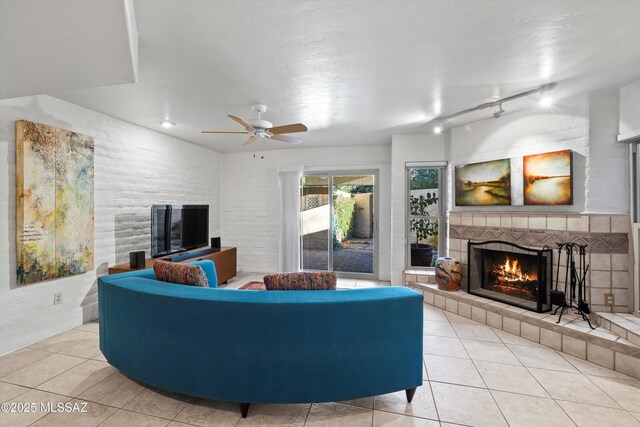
548, 178
483, 184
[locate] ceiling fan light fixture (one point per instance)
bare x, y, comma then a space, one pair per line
259, 128
260, 124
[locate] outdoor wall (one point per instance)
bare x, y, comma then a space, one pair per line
134, 168
363, 216
250, 198
408, 148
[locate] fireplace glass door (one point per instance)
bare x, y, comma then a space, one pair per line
511, 274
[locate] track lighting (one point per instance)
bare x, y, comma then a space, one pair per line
545, 101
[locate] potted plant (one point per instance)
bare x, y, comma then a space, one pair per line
424, 229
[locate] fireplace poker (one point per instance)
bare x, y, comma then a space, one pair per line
583, 305
571, 269
577, 303
557, 296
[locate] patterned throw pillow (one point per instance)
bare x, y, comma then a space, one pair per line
301, 281
183, 274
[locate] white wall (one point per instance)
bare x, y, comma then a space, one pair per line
630, 109
586, 124
134, 168
607, 166
563, 126
407, 148
250, 200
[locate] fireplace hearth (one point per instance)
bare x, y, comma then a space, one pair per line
511, 274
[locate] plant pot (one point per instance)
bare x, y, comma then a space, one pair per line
421, 255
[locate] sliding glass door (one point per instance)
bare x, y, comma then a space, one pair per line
339, 223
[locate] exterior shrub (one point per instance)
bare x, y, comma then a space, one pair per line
343, 210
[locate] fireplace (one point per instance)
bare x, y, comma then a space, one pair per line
510, 273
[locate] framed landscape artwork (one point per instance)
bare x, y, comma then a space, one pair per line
483, 184
54, 202
548, 178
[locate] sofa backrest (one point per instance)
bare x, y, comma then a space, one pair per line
271, 347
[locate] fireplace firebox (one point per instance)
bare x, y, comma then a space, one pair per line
510, 273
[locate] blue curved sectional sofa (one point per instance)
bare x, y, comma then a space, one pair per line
261, 346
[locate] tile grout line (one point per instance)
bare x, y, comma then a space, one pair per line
62, 373
573, 401
559, 353
597, 406
491, 394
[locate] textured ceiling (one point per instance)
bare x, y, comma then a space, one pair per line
357, 72
40, 42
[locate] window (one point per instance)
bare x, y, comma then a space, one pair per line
425, 203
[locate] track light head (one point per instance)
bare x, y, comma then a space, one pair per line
499, 112
437, 129
545, 102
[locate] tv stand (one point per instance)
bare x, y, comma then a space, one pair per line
224, 259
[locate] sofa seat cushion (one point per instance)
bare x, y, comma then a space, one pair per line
301, 281
182, 274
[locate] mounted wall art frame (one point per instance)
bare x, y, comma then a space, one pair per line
54, 202
483, 184
548, 178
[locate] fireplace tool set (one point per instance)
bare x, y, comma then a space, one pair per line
575, 280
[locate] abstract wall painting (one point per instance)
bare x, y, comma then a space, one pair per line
483, 184
548, 178
54, 202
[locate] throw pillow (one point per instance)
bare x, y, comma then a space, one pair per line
301, 281
182, 274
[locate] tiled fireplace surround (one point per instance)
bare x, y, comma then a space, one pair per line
607, 236
608, 254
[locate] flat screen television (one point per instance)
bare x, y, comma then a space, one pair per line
178, 228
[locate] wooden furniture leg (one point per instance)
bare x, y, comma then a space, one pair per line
244, 409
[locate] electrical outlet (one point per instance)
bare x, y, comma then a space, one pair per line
608, 300
57, 298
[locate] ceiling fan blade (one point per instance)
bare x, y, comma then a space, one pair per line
287, 139
241, 122
292, 128
251, 140
224, 131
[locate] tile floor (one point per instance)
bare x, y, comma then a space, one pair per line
474, 375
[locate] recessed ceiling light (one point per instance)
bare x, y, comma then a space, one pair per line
167, 124
545, 101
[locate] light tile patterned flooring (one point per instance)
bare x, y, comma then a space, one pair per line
474, 375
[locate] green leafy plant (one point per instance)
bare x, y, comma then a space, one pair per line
343, 210
424, 228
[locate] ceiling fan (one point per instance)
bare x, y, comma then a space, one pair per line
259, 128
